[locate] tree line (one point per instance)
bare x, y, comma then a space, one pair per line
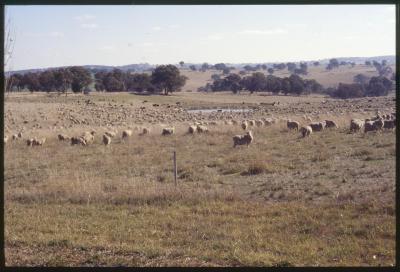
163, 79
259, 82
295, 85
375, 86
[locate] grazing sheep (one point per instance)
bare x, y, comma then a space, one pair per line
306, 131
106, 139
127, 133
88, 136
245, 139
267, 121
19, 135
317, 126
15, 136
5, 139
192, 129
168, 131
244, 125
252, 123
201, 129
369, 126
77, 140
292, 124
145, 131
110, 134
38, 142
356, 124
389, 124
259, 123
378, 124
331, 124
29, 142
63, 137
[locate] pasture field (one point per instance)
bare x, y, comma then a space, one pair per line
324, 200
327, 78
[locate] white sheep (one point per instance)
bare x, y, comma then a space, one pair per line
259, 123
356, 124
111, 134
5, 139
378, 124
201, 129
39, 142
317, 126
168, 131
369, 126
88, 136
192, 129
127, 133
331, 124
306, 131
145, 131
292, 124
106, 139
244, 125
29, 142
63, 137
245, 139
389, 124
78, 140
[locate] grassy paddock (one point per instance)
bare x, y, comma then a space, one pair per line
328, 199
211, 233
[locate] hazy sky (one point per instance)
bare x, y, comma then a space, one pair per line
48, 36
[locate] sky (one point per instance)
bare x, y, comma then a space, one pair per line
52, 36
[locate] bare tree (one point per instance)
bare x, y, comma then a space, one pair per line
9, 43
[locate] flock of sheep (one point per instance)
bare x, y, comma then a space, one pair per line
386, 121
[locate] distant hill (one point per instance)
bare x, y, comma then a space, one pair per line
142, 67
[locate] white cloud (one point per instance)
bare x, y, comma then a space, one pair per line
56, 34
85, 17
156, 28
89, 25
214, 37
263, 32
296, 25
53, 34
351, 37
107, 48
146, 44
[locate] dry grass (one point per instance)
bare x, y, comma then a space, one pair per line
332, 195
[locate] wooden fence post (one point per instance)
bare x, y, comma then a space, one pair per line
175, 168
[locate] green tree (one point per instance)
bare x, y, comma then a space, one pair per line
81, 78
255, 82
167, 78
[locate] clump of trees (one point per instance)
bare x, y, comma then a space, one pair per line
376, 86
61, 80
163, 79
259, 82
333, 63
